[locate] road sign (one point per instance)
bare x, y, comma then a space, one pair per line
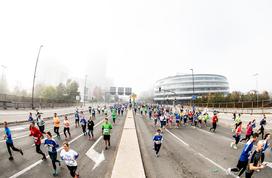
113, 90
121, 90
128, 91
194, 97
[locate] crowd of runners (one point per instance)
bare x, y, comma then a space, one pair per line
42, 135
177, 117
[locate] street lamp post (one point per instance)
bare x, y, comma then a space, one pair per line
257, 97
85, 90
33, 86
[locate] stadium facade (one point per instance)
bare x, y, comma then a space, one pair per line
184, 88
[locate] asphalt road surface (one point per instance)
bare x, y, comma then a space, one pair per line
30, 164
186, 152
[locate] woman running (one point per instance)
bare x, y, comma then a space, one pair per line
90, 128
70, 156
237, 136
83, 123
66, 124
249, 130
36, 133
40, 123
52, 146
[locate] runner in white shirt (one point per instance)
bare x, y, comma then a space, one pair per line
69, 156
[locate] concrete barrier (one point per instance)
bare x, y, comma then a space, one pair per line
128, 161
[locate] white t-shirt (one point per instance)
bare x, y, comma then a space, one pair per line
69, 157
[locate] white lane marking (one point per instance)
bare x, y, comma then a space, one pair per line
186, 144
97, 158
38, 162
201, 155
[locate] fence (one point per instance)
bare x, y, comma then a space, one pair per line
18, 102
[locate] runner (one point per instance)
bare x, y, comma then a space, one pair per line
93, 112
56, 121
113, 115
266, 144
9, 142
255, 161
30, 118
236, 136
66, 125
262, 124
35, 132
76, 119
243, 160
157, 139
90, 128
249, 131
40, 123
83, 123
155, 117
177, 120
106, 130
52, 146
214, 122
206, 118
70, 156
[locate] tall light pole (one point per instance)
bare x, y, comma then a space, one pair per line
85, 90
193, 79
33, 86
257, 97
3, 88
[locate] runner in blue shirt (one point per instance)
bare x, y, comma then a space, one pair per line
243, 160
52, 146
157, 139
9, 142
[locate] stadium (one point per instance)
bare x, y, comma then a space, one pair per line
183, 88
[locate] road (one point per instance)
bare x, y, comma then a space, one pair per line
186, 152
79, 143
189, 152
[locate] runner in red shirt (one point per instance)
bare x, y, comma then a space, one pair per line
36, 133
214, 122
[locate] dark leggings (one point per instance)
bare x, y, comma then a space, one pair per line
157, 147
72, 170
41, 128
246, 138
261, 131
10, 145
90, 132
66, 129
39, 151
83, 129
213, 126
56, 130
241, 166
53, 157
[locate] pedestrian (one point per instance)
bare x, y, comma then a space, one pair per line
214, 122
266, 145
262, 124
90, 128
157, 139
70, 156
52, 146
56, 122
255, 161
106, 132
9, 142
155, 117
30, 118
40, 123
236, 136
76, 119
177, 120
66, 128
36, 133
83, 123
249, 131
243, 160
113, 115
206, 118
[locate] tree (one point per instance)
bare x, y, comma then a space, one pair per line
60, 92
72, 90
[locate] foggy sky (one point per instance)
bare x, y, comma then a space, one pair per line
134, 43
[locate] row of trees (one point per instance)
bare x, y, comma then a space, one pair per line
66, 92
235, 96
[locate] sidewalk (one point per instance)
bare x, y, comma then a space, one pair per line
128, 161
